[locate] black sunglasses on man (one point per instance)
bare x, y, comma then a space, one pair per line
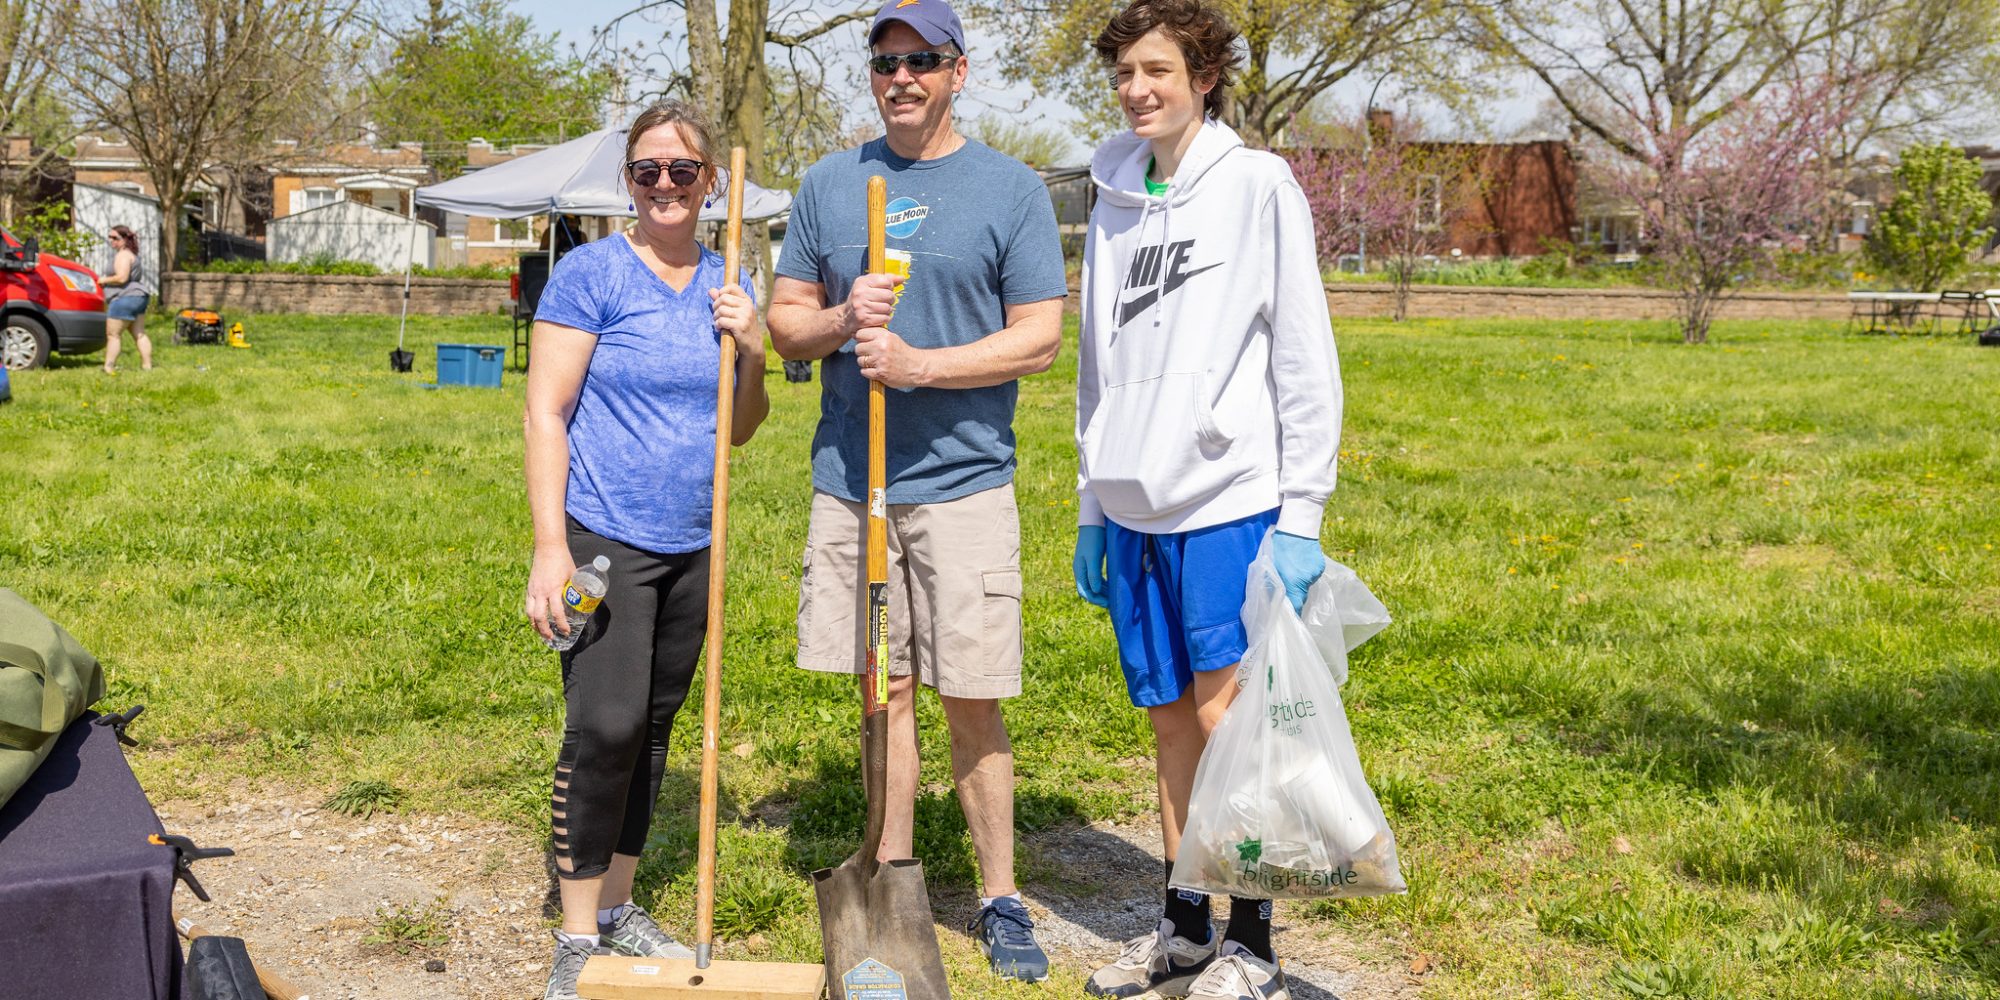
919, 62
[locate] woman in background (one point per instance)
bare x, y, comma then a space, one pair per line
128, 306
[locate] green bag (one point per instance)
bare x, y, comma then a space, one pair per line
47, 679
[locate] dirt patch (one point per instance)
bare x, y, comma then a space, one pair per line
1802, 558
308, 888
1984, 602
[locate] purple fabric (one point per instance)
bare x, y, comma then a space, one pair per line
85, 900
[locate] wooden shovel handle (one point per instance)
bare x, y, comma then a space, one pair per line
718, 544
877, 697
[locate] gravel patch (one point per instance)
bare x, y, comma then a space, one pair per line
307, 888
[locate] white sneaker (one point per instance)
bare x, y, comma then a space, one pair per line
1239, 975
1156, 964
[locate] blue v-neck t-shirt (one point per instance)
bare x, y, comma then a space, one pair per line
642, 439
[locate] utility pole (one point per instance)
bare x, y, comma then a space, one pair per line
1368, 147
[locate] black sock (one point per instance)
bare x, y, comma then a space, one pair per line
1187, 911
1250, 926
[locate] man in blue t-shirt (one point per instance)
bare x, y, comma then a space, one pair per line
976, 303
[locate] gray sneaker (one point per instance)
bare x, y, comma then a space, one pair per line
568, 965
1159, 963
634, 933
1239, 975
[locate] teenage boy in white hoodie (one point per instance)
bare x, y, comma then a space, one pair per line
1208, 413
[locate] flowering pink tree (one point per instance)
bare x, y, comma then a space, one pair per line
1376, 189
1715, 206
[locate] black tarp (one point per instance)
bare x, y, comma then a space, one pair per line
85, 901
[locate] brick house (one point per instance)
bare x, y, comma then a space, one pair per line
29, 175
1523, 193
380, 177
1526, 197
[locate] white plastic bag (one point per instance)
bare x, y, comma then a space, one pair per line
1280, 808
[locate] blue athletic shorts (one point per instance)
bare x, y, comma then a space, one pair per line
1177, 602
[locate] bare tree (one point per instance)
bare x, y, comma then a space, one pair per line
27, 105
1296, 50
729, 74
1718, 204
181, 80
1625, 70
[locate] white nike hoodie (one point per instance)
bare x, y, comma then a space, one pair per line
1207, 387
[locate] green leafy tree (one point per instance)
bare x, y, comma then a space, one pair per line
478, 69
1035, 145
1935, 222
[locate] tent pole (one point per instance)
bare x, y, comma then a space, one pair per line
409, 258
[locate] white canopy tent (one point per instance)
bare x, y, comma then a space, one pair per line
584, 176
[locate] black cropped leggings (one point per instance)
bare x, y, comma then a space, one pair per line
623, 682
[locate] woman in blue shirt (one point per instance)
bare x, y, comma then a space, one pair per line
620, 462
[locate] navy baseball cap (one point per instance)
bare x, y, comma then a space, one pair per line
933, 19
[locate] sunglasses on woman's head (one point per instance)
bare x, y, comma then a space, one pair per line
919, 62
682, 173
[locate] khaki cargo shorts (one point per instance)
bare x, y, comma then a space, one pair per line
954, 592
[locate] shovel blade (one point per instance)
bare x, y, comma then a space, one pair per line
876, 932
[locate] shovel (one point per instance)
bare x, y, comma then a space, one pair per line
875, 916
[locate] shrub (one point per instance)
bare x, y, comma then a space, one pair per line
48, 225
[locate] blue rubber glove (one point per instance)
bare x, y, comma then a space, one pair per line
1092, 584
1299, 563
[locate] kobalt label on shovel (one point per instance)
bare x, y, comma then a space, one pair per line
878, 503
871, 980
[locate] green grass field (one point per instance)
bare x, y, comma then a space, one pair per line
1692, 691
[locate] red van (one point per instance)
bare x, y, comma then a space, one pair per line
47, 304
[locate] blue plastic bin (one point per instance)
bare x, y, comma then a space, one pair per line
471, 364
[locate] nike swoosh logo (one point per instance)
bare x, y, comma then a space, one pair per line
1135, 306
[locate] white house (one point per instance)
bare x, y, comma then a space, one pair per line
350, 230
99, 208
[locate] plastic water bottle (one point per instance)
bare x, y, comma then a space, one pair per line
580, 596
